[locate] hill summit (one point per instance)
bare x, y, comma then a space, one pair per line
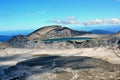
55, 31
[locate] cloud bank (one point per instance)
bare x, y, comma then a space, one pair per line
73, 20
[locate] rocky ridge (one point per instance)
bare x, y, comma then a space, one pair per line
55, 31
23, 42
34, 40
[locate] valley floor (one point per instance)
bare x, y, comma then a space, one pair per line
14, 55
11, 56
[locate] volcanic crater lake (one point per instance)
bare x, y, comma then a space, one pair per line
68, 39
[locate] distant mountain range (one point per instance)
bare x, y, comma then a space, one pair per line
17, 32
101, 32
100, 29
54, 31
36, 38
4, 38
118, 32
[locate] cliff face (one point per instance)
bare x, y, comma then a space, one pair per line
55, 32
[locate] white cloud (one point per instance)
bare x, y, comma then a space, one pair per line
115, 21
73, 20
67, 20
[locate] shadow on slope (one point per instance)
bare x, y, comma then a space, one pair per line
74, 62
44, 63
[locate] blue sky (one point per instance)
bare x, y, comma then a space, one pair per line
33, 14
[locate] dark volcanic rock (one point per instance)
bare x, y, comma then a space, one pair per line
74, 62
46, 63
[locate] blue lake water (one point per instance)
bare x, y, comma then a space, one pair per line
67, 39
